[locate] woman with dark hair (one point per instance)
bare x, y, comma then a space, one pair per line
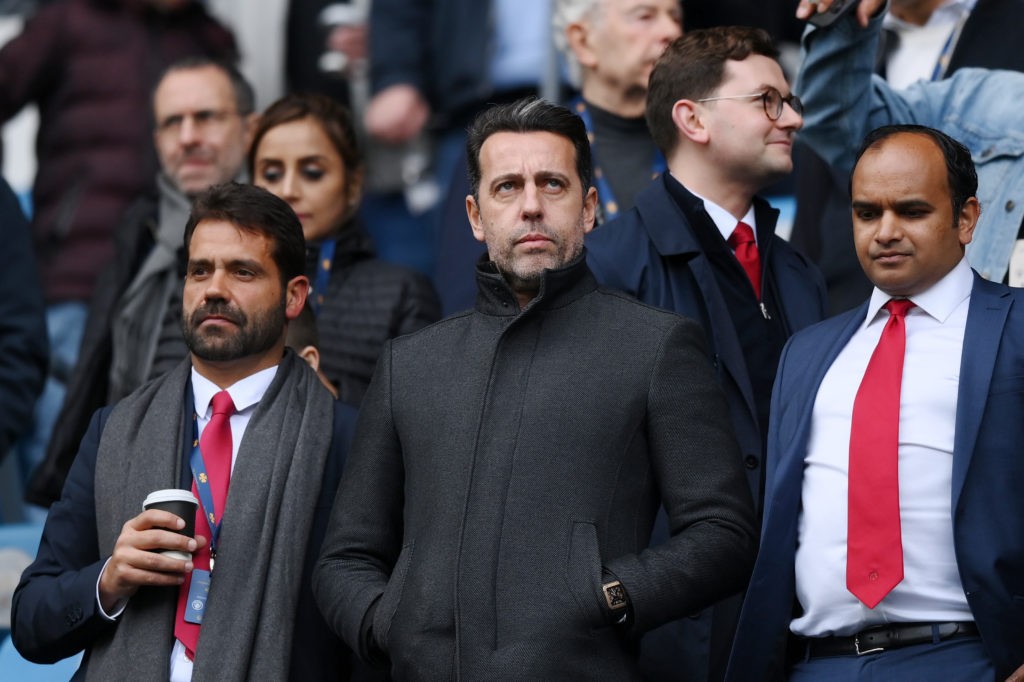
305, 151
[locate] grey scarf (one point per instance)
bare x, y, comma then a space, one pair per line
136, 325
247, 631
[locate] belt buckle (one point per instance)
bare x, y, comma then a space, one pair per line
856, 647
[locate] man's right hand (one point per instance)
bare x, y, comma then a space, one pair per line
132, 565
396, 114
865, 10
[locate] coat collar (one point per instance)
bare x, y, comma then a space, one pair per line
665, 203
558, 288
352, 244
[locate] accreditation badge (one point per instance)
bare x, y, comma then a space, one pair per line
198, 591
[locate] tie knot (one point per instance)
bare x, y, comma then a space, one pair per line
743, 234
222, 403
898, 307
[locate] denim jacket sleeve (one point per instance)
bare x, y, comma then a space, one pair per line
844, 100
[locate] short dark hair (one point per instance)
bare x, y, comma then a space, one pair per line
528, 115
256, 211
960, 172
245, 96
692, 67
302, 331
334, 119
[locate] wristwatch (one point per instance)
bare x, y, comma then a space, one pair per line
617, 600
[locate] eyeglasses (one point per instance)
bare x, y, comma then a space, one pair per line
772, 100
202, 119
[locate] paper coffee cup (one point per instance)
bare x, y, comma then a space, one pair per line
181, 503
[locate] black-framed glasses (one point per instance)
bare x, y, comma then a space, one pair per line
772, 100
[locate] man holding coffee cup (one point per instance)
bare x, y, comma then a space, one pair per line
181, 503
242, 415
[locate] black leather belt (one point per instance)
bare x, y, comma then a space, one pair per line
883, 637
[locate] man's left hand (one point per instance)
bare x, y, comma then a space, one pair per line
1017, 676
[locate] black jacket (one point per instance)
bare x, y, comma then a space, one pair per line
367, 302
507, 462
23, 338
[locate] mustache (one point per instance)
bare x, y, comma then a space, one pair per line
540, 228
219, 308
196, 154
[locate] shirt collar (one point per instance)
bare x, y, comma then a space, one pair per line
244, 393
939, 301
725, 221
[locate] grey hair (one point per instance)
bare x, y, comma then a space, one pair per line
567, 12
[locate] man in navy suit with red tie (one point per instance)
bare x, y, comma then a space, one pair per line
250, 423
893, 537
723, 115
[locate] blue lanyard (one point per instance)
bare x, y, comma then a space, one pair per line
202, 481
942, 64
323, 274
610, 207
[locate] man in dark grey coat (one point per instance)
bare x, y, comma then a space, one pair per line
509, 461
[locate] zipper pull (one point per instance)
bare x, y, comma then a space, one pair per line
764, 311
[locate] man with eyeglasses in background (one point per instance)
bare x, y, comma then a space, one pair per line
702, 243
203, 121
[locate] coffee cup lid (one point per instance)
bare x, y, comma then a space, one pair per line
170, 495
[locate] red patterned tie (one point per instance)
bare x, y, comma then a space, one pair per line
215, 445
742, 242
874, 546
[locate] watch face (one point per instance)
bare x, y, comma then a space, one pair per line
615, 594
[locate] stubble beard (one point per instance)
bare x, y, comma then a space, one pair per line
525, 277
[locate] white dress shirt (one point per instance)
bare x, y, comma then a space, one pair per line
922, 47
931, 589
726, 222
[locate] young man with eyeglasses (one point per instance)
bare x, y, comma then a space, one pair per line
702, 243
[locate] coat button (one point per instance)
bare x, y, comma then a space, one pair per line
1010, 205
73, 615
751, 462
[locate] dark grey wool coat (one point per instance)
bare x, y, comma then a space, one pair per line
506, 459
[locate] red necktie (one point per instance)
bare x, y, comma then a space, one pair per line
215, 444
742, 242
874, 546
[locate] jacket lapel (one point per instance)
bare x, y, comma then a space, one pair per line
818, 349
986, 319
672, 236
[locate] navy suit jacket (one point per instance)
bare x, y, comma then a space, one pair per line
54, 611
652, 253
988, 476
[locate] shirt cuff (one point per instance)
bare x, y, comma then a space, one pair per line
118, 607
